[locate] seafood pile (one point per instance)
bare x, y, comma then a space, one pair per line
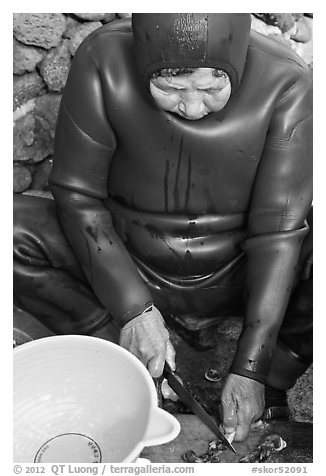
262, 453
215, 449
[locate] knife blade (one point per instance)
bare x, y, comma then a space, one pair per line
186, 397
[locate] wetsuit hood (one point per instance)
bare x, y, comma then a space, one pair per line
194, 40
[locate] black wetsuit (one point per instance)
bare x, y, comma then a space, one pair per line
204, 218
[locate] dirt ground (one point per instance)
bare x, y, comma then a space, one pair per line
192, 365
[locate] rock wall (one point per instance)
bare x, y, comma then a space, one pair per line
43, 48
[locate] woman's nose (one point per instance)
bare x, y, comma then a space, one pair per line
192, 108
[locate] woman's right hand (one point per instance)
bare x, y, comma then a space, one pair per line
147, 338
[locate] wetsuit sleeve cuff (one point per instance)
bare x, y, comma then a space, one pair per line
121, 321
249, 374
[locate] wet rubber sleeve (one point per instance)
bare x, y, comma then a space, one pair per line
280, 202
84, 146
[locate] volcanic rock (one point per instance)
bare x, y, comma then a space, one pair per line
41, 175
39, 29
27, 87
96, 16
33, 139
22, 178
55, 67
25, 58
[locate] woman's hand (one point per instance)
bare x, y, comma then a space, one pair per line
243, 402
147, 338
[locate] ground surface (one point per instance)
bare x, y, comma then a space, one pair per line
192, 364
195, 436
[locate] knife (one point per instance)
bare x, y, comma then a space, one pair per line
186, 397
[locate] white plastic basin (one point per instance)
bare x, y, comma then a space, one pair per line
83, 399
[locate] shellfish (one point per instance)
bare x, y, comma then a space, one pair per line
263, 451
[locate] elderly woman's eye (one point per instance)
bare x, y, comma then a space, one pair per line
172, 90
212, 90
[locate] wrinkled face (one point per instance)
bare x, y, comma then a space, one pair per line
191, 96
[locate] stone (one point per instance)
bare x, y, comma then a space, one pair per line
24, 109
33, 139
267, 18
47, 107
304, 50
55, 67
25, 58
34, 133
109, 17
27, 87
23, 134
284, 21
92, 16
22, 178
297, 16
282, 39
44, 139
71, 25
300, 397
81, 33
302, 32
39, 29
124, 15
41, 175
261, 27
